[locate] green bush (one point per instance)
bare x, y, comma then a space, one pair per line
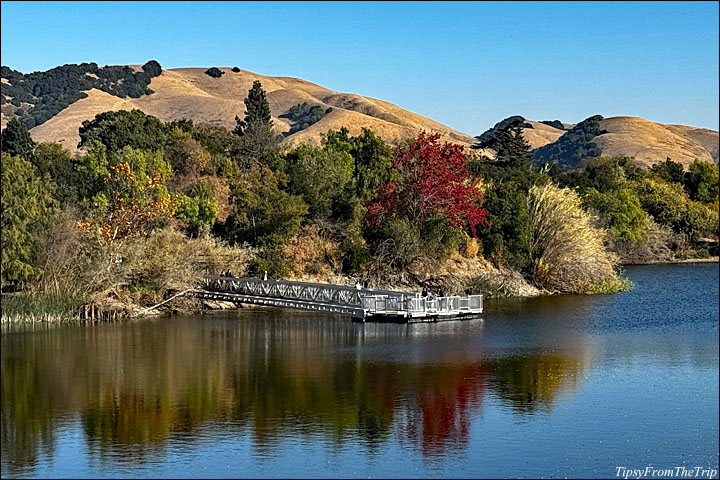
702, 182
322, 191
303, 116
669, 205
271, 259
439, 238
669, 171
355, 256
262, 209
620, 212
16, 140
120, 129
604, 174
398, 240
54, 160
198, 209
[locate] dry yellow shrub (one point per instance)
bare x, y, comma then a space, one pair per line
568, 253
309, 254
167, 259
470, 248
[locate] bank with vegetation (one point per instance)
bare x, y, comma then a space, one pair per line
146, 208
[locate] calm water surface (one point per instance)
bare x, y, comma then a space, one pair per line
564, 386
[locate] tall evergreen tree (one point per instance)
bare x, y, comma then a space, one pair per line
259, 142
27, 203
512, 148
257, 111
510, 175
16, 139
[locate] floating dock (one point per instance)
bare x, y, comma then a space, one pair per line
364, 304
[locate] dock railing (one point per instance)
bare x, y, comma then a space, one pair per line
415, 305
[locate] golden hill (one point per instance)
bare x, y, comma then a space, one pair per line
190, 93
647, 142
541, 134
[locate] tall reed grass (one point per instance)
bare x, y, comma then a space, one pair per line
32, 308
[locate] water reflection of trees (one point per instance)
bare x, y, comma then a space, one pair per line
531, 383
135, 385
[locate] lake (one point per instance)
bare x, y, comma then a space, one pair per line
563, 386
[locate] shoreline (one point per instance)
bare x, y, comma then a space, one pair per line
671, 262
210, 306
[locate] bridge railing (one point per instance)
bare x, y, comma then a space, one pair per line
372, 301
306, 291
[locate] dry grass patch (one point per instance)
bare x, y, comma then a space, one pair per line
310, 256
567, 251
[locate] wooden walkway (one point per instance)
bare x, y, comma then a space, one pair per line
363, 304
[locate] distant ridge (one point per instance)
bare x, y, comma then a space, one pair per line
645, 141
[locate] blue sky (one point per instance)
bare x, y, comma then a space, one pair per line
467, 65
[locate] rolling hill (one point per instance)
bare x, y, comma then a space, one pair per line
647, 142
191, 93
66, 96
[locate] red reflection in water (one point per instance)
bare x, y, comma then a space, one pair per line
441, 419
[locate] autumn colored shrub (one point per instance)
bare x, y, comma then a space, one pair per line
168, 260
74, 262
432, 180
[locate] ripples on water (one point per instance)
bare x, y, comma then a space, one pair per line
559, 386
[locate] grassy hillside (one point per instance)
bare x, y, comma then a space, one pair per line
191, 93
56, 102
645, 141
650, 143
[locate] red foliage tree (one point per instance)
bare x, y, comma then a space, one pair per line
432, 178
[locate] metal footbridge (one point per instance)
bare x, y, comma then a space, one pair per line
360, 303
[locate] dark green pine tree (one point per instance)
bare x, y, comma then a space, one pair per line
16, 139
512, 148
258, 142
257, 111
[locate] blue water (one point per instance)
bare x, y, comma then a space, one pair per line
565, 386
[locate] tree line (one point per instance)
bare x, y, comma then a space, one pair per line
354, 205
40, 96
